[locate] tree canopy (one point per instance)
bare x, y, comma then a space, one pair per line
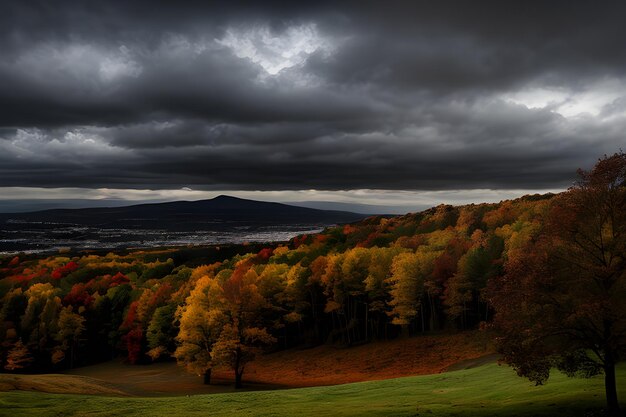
561, 301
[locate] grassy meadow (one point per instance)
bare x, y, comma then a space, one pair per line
486, 390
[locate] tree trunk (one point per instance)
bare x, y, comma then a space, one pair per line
432, 312
238, 369
463, 316
613, 408
367, 322
207, 376
238, 379
405, 331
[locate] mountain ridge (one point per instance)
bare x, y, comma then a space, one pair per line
222, 205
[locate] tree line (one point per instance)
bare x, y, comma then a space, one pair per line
378, 279
504, 265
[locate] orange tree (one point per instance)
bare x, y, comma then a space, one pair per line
240, 305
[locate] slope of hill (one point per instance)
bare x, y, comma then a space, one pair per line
487, 390
294, 368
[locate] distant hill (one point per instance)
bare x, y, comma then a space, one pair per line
215, 214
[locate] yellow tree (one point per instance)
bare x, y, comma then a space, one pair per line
71, 326
406, 289
409, 272
39, 321
354, 272
377, 284
296, 293
200, 326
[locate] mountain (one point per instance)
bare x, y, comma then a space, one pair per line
221, 210
223, 219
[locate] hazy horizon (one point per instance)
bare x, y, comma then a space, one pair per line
366, 202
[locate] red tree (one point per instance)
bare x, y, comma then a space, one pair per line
561, 301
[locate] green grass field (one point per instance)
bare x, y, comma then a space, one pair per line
488, 390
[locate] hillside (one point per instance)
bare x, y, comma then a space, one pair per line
293, 368
344, 286
321, 365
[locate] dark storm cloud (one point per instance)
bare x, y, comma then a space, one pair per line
411, 95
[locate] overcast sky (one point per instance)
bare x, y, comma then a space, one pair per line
389, 103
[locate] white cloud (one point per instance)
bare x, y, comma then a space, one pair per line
569, 102
538, 98
81, 144
276, 52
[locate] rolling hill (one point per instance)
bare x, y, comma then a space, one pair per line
487, 390
217, 213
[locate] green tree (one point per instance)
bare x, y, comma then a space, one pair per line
475, 268
13, 304
162, 332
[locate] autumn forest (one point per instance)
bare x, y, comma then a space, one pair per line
544, 274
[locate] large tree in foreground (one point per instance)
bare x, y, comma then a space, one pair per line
243, 335
562, 301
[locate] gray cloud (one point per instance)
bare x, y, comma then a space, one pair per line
455, 95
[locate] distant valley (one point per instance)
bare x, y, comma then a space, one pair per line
220, 220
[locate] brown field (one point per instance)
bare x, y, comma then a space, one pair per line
58, 384
322, 365
331, 365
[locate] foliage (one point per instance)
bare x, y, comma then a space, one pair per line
18, 357
70, 327
200, 327
561, 301
348, 284
241, 304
